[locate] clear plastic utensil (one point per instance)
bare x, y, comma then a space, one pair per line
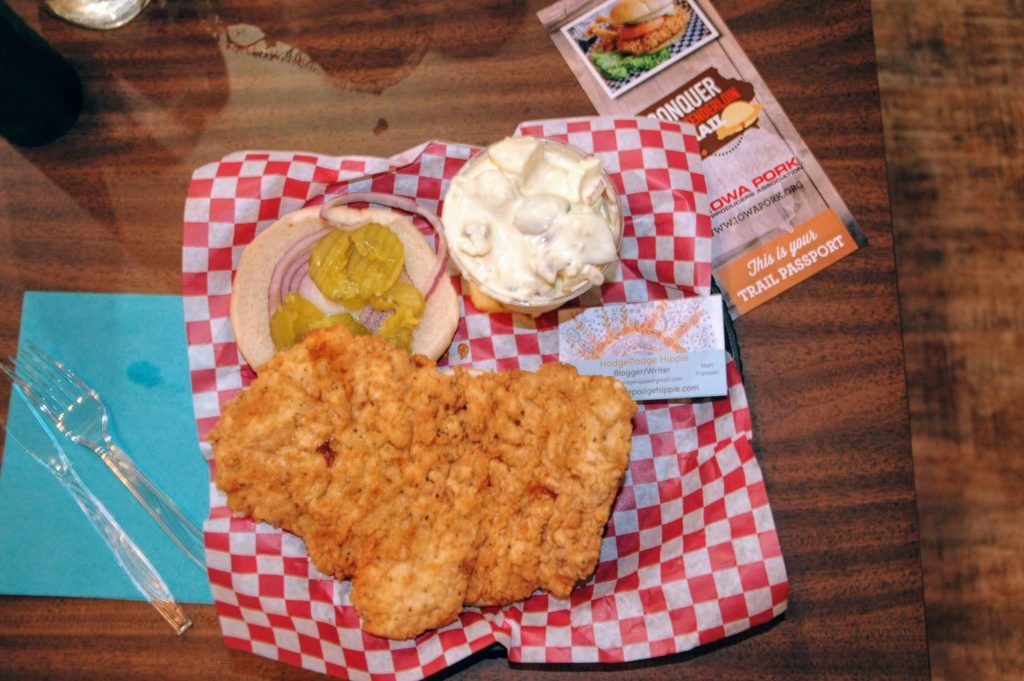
96, 14
78, 412
127, 553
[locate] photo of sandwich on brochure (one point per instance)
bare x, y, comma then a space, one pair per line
627, 41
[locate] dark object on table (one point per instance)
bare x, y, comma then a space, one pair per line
40, 92
732, 341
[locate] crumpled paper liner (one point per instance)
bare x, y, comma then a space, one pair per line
690, 553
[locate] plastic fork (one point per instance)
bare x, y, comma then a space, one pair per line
126, 552
78, 412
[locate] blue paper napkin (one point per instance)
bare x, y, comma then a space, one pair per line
132, 350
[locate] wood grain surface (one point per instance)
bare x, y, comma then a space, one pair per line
100, 209
952, 84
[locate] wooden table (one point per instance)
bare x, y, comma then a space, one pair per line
100, 209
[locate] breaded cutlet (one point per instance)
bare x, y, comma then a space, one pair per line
429, 490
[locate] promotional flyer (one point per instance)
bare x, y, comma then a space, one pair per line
777, 219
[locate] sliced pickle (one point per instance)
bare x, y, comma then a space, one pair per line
408, 305
296, 316
397, 330
354, 304
377, 259
328, 264
342, 319
401, 295
352, 267
292, 320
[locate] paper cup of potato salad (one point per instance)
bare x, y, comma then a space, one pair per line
531, 224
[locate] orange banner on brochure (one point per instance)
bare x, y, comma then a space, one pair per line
764, 272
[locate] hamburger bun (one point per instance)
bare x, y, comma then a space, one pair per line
250, 313
639, 11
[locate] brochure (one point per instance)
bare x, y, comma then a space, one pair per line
776, 218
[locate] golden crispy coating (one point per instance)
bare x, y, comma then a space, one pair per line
674, 24
428, 490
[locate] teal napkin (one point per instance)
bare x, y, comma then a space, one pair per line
130, 348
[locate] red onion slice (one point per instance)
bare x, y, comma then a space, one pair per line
293, 276
308, 290
371, 317
409, 206
596, 191
289, 270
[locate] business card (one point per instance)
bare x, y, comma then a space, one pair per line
660, 350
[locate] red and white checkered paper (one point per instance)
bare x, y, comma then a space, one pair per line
690, 554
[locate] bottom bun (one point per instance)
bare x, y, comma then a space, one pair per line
250, 313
